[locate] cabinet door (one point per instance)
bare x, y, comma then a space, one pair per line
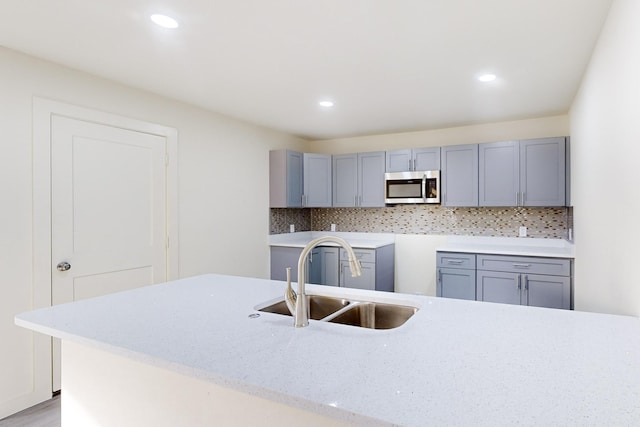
285, 179
542, 171
317, 180
345, 180
281, 258
314, 267
456, 283
330, 270
398, 160
499, 170
294, 179
371, 168
546, 291
459, 175
426, 159
495, 286
367, 280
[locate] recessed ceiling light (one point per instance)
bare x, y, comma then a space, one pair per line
164, 21
326, 104
487, 78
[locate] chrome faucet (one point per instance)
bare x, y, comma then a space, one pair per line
297, 304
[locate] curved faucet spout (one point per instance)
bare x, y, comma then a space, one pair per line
301, 314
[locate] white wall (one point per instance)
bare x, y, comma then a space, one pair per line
605, 129
472, 134
223, 190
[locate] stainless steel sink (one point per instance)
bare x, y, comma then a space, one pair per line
364, 314
375, 315
319, 306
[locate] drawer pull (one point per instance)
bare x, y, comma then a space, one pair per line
455, 261
521, 265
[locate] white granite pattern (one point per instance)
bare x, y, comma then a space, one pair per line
454, 363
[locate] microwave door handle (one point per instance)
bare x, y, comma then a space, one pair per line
424, 187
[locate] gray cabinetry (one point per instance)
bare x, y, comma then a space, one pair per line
377, 265
534, 281
329, 265
324, 264
522, 173
499, 169
358, 179
459, 166
317, 180
542, 172
456, 275
283, 257
285, 179
417, 159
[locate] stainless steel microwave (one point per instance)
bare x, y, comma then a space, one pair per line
412, 187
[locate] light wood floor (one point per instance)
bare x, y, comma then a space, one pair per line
46, 414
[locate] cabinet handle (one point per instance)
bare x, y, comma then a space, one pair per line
519, 282
522, 198
516, 265
517, 198
526, 283
439, 279
455, 261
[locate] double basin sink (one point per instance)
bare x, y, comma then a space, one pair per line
365, 314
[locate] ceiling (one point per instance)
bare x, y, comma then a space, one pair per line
388, 65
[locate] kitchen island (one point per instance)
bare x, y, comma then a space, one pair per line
192, 352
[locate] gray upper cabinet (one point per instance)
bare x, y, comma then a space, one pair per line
358, 179
522, 173
459, 175
499, 169
285, 179
417, 159
345, 180
542, 172
317, 180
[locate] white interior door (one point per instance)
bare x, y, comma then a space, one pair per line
109, 212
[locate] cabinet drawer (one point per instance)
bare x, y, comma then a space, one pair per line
456, 260
517, 264
363, 255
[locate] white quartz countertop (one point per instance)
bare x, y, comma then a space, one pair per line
356, 240
555, 248
454, 363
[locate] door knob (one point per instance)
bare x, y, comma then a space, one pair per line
63, 266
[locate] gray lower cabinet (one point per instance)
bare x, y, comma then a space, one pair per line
328, 265
377, 266
456, 275
324, 266
533, 281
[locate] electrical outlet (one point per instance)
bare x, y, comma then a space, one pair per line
333, 227
292, 228
522, 232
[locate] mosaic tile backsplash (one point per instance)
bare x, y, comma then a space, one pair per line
549, 223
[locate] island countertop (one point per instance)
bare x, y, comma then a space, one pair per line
453, 363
